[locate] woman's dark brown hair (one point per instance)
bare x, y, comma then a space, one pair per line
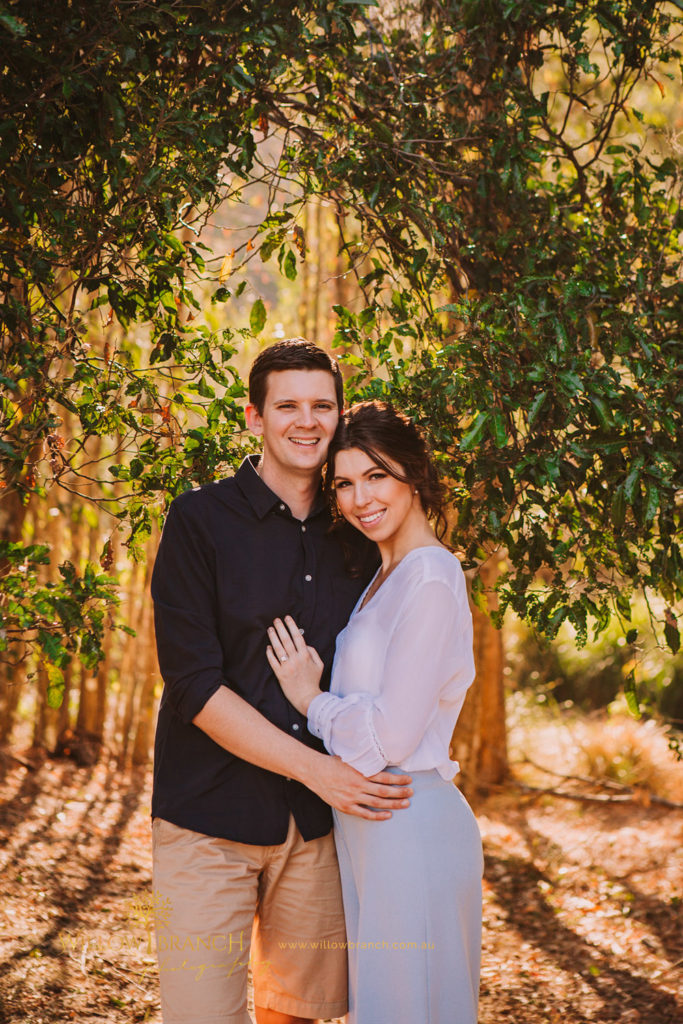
384, 434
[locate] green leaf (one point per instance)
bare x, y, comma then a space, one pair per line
13, 24
671, 631
174, 243
623, 603
478, 595
257, 317
55, 686
631, 694
500, 434
651, 501
289, 266
618, 507
475, 433
536, 407
55, 696
602, 410
631, 483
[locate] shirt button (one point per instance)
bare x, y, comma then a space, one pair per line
308, 577
295, 727
303, 528
282, 507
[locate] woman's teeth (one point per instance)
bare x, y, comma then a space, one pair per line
373, 517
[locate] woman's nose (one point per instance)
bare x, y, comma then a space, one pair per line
361, 495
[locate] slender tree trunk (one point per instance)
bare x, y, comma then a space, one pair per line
144, 734
13, 666
46, 719
125, 712
305, 274
479, 741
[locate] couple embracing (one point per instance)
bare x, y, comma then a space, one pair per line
316, 648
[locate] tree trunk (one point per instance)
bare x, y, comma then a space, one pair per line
142, 745
479, 741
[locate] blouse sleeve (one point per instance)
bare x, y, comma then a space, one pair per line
429, 660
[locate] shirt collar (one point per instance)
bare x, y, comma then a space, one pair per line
259, 494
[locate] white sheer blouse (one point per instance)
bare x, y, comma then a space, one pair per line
401, 669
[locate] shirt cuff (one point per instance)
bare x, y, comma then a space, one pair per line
316, 711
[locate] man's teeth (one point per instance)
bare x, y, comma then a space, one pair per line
372, 518
306, 442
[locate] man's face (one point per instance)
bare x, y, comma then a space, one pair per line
299, 417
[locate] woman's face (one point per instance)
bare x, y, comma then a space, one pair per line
372, 500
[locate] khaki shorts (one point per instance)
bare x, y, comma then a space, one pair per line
209, 893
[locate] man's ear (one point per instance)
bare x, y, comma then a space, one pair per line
253, 418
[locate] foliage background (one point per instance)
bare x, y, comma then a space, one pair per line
487, 194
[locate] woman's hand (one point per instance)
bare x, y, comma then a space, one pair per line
297, 667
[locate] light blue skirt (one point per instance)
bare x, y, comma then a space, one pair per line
413, 907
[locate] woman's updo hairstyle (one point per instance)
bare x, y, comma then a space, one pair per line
382, 432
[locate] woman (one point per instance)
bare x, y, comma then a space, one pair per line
412, 884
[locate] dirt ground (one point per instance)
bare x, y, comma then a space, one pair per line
582, 912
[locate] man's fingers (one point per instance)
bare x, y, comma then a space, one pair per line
389, 793
362, 812
390, 779
386, 803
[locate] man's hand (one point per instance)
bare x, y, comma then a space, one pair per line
341, 786
238, 727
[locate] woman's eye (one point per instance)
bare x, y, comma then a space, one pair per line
378, 476
341, 485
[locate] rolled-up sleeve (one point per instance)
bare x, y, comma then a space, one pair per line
183, 591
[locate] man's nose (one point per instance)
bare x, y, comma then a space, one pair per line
306, 417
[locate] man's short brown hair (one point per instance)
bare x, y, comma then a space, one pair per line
292, 354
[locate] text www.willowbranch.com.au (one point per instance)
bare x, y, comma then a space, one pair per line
335, 944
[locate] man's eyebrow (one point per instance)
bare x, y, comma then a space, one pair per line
327, 401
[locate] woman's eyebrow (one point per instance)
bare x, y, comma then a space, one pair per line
372, 469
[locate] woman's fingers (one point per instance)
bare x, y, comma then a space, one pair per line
273, 659
280, 649
284, 636
315, 658
295, 633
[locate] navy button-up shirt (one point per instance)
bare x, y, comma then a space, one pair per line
232, 558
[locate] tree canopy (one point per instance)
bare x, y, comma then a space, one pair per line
509, 210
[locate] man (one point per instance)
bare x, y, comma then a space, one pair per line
241, 821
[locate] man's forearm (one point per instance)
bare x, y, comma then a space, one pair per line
238, 727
